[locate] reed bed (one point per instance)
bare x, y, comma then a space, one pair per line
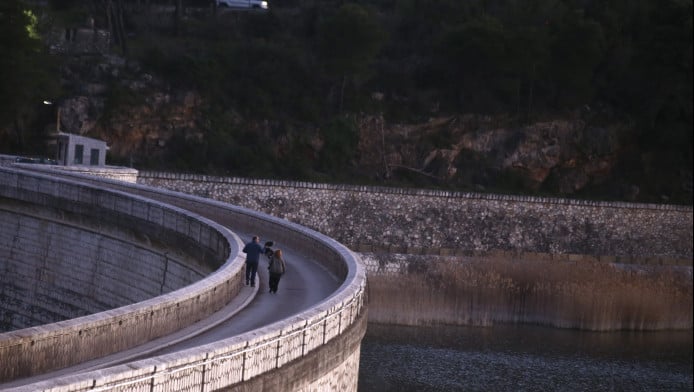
587, 295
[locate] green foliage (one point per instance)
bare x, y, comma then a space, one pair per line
576, 50
27, 76
340, 140
475, 54
72, 12
257, 77
305, 63
32, 23
349, 40
647, 77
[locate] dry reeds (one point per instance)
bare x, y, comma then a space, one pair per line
583, 295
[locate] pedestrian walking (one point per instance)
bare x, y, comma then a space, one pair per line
252, 251
277, 268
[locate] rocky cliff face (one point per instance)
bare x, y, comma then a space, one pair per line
565, 152
563, 155
148, 111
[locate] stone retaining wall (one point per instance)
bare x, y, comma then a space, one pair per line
415, 221
474, 259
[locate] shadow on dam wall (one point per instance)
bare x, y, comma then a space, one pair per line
586, 295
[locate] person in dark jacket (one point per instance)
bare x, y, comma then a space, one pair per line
268, 251
277, 268
252, 251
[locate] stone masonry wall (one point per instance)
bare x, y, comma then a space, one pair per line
395, 220
475, 259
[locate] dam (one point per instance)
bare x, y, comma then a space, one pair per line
317, 344
487, 281
475, 259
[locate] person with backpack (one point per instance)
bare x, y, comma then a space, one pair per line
277, 268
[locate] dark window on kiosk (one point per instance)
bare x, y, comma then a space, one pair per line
94, 157
79, 153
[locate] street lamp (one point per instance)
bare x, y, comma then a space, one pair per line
57, 114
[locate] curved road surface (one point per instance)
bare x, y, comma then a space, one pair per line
304, 284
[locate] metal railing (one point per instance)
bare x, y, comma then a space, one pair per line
354, 306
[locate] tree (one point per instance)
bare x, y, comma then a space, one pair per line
340, 141
348, 43
577, 49
474, 54
527, 39
27, 74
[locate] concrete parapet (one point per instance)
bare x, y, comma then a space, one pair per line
126, 174
6, 160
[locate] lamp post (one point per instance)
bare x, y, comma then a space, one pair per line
61, 148
57, 114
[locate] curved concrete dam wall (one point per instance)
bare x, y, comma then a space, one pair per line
446, 257
317, 349
69, 248
58, 266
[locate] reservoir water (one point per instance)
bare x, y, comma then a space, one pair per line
523, 358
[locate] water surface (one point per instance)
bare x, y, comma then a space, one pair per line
523, 358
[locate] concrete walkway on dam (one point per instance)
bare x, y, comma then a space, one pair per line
310, 342
305, 283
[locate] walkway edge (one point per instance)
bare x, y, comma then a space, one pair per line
245, 296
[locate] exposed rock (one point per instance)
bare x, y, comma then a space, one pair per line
577, 155
561, 155
76, 114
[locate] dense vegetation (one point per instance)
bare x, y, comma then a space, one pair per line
27, 75
318, 62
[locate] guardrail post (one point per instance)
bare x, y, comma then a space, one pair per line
351, 312
303, 342
204, 367
339, 320
277, 355
243, 365
151, 384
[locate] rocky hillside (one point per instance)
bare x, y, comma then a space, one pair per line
512, 97
563, 156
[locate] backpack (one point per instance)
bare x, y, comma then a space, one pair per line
269, 253
276, 266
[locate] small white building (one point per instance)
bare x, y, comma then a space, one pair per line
80, 150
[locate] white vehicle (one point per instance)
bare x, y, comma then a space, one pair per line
242, 3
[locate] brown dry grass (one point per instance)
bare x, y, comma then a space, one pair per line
585, 295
